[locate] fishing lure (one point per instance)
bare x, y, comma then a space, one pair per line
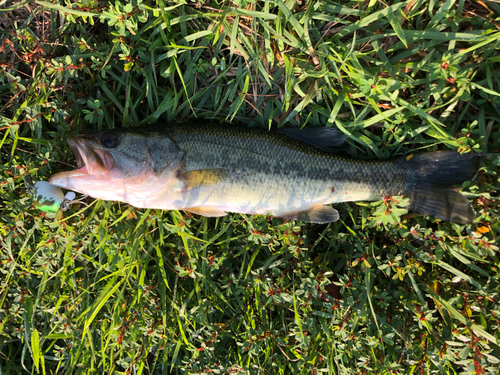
50, 198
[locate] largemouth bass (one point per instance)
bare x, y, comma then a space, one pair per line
213, 169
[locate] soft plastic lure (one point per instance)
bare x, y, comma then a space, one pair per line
50, 198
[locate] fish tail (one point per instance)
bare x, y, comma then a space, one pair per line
431, 178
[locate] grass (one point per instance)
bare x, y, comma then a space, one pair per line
109, 288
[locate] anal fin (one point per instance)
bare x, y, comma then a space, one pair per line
316, 214
206, 211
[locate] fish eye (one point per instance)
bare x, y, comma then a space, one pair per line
109, 140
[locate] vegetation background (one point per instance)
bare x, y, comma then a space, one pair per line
110, 288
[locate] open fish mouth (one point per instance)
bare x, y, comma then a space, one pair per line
93, 165
90, 160
73, 143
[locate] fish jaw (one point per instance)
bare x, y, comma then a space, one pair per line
79, 180
94, 172
95, 160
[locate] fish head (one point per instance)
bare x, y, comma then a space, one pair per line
112, 164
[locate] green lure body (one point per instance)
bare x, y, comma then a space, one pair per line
48, 198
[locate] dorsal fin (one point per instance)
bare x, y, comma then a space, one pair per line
323, 138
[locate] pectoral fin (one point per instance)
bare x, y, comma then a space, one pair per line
202, 177
316, 214
206, 211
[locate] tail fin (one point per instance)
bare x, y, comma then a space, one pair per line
433, 177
